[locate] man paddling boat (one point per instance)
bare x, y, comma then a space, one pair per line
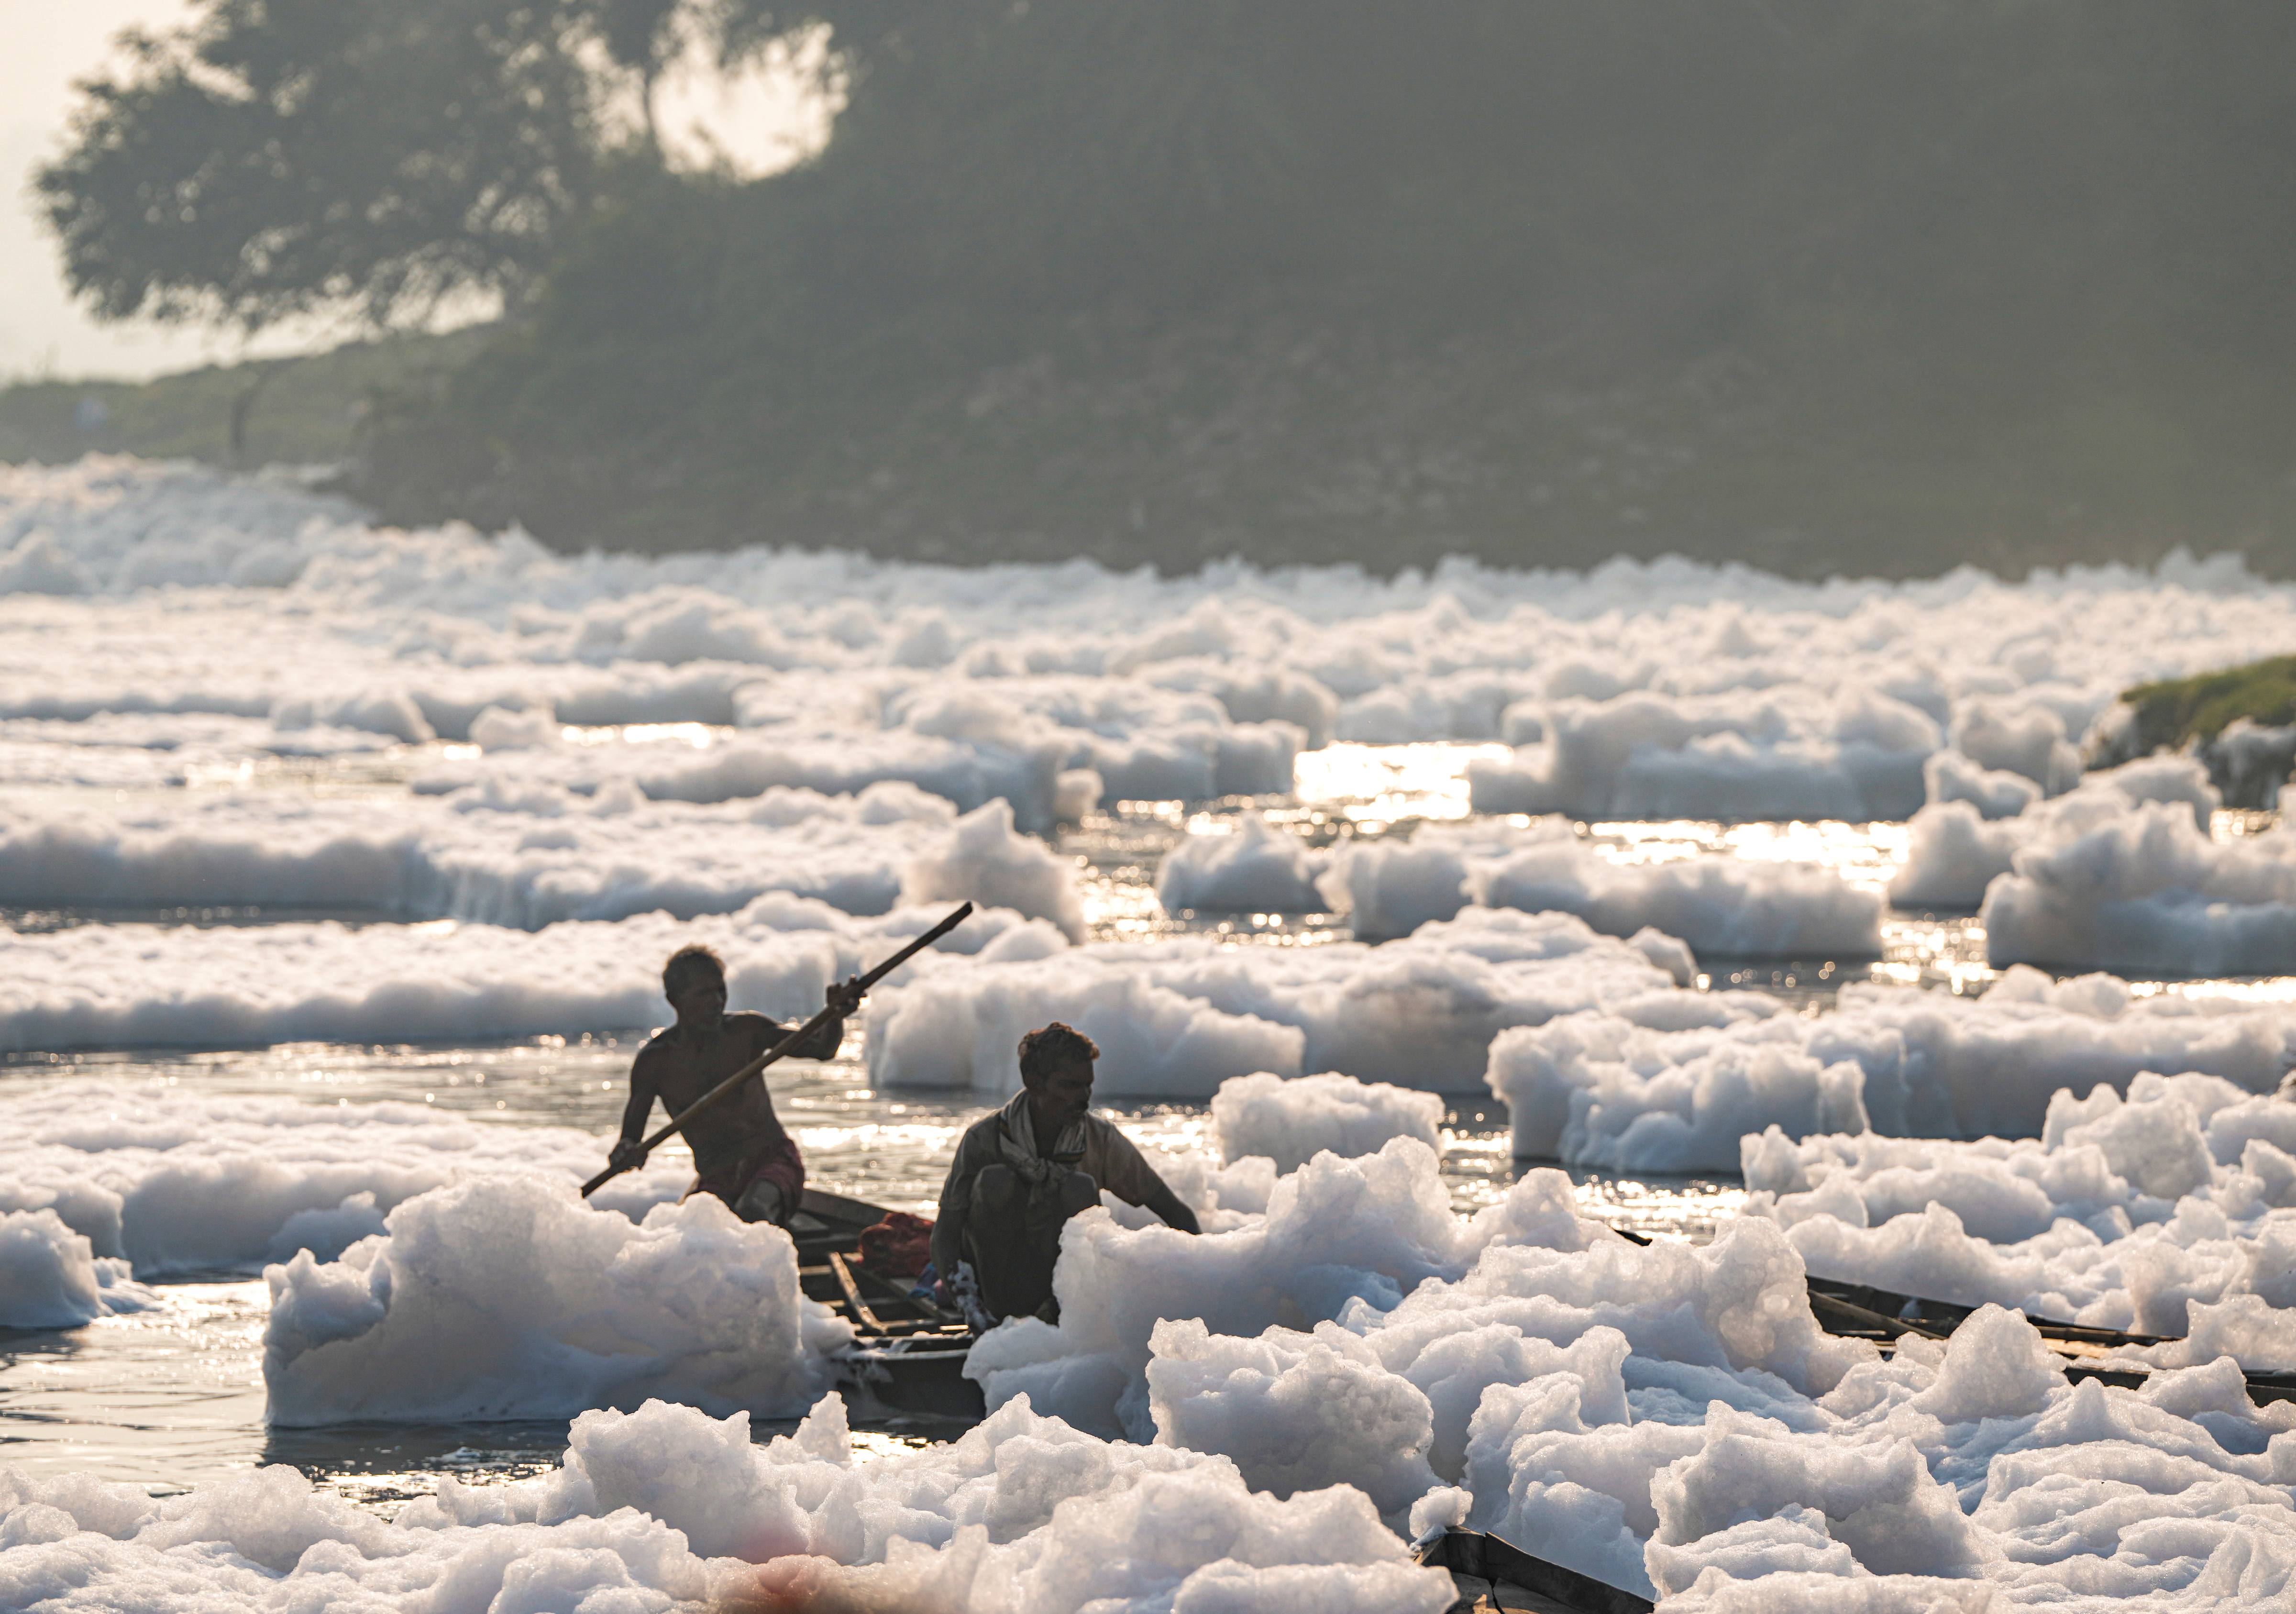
1021, 1172
742, 1151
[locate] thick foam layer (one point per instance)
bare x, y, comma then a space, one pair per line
667, 1506
172, 986
2170, 1212
1664, 689
1670, 1080
171, 1180
51, 1276
2121, 872
510, 1297
1390, 888
1667, 1418
1176, 1018
1752, 754
527, 860
1290, 1122
1254, 867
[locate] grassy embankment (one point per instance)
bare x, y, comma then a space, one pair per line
2176, 712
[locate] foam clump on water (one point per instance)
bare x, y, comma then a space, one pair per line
508, 1296
2172, 1211
1714, 904
984, 861
170, 1180
1795, 752
51, 1278
1176, 1018
1671, 1080
1290, 1122
526, 859
1296, 1411
2120, 873
251, 986
1254, 867
1970, 832
667, 1506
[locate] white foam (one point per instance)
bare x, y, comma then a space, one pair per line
1664, 687
984, 861
172, 1179
1995, 793
1714, 904
2144, 890
135, 984
510, 1297
1290, 1122
666, 1506
1959, 845
51, 1278
1670, 1080
529, 858
2172, 1211
1251, 868
1176, 1018
1757, 753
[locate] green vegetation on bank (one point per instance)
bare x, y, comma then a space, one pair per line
1864, 286
2178, 711
307, 411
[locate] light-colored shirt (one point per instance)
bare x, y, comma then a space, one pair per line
1109, 1159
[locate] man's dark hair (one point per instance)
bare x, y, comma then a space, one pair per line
688, 962
1047, 1048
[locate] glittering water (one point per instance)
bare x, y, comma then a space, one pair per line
167, 1398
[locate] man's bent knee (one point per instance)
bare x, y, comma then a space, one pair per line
1078, 1193
996, 1189
761, 1201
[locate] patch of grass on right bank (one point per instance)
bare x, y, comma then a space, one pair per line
2176, 711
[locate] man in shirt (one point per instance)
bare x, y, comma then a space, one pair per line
740, 1151
1023, 1172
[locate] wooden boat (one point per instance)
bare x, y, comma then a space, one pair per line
1859, 1311
908, 1360
1494, 1575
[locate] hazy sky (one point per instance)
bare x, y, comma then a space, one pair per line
50, 43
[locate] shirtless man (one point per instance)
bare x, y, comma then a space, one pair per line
1022, 1171
740, 1149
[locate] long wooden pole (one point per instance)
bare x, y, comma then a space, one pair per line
778, 1049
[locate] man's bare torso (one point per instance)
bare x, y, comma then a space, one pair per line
678, 1066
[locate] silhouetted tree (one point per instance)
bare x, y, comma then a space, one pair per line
277, 155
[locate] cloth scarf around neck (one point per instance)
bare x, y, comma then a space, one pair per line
1016, 1141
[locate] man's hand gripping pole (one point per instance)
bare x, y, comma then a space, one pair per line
861, 984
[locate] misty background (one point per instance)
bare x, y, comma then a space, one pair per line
1843, 287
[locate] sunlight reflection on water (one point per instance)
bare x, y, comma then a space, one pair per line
167, 1398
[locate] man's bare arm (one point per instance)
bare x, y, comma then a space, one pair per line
1169, 1206
634, 1114
841, 1000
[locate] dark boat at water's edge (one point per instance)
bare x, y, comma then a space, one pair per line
1859, 1311
908, 1355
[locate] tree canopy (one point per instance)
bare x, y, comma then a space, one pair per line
1543, 279
278, 155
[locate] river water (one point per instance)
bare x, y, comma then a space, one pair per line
169, 1396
